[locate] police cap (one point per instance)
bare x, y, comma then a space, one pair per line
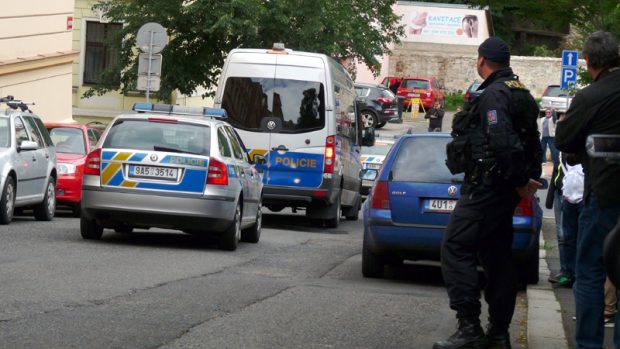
494, 49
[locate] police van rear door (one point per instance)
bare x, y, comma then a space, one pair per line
297, 147
277, 104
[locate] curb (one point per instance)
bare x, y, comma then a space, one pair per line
545, 329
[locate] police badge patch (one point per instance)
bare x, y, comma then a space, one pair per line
492, 117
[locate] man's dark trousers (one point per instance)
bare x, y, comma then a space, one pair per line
480, 229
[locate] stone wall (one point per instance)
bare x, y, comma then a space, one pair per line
456, 66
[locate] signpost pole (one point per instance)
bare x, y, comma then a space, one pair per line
148, 74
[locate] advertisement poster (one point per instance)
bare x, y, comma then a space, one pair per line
443, 25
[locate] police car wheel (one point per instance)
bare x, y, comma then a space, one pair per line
90, 230
47, 208
7, 201
230, 238
252, 234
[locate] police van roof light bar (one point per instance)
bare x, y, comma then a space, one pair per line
218, 113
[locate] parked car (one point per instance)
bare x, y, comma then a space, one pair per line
378, 104
555, 98
428, 90
27, 163
472, 91
72, 142
172, 167
408, 209
372, 158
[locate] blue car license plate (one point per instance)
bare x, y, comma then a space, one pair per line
439, 205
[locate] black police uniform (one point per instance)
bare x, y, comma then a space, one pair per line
498, 145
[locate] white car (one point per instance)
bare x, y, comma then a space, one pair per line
172, 167
27, 163
555, 98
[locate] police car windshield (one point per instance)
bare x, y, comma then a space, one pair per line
423, 159
300, 105
4, 133
158, 136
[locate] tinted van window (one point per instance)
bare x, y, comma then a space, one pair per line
423, 159
299, 104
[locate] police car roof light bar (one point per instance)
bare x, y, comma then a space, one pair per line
218, 113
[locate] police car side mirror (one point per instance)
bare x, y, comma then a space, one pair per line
368, 137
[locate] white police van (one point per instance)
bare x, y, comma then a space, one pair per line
296, 113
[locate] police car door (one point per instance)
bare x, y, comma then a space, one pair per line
245, 174
297, 142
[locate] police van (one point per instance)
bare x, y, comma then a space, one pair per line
295, 111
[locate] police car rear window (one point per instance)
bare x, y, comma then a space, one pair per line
423, 159
300, 105
158, 136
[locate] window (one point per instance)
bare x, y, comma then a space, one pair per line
423, 159
223, 143
144, 135
420, 84
68, 140
98, 54
4, 133
34, 133
299, 104
20, 131
46, 136
92, 138
235, 144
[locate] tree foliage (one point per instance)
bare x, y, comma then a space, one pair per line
202, 32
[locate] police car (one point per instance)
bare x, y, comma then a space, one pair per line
372, 158
172, 167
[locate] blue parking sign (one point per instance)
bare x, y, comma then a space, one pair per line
569, 77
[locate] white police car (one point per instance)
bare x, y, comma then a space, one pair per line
172, 167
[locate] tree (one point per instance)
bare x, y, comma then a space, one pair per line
202, 32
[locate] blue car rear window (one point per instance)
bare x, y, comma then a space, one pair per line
423, 159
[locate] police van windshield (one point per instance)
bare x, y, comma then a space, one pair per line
4, 133
159, 136
423, 159
299, 104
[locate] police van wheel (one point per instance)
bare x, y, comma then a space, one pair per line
372, 264
334, 222
90, 230
230, 238
252, 234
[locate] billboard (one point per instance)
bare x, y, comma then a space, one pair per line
442, 23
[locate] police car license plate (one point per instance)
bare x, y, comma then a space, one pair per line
153, 172
436, 205
373, 166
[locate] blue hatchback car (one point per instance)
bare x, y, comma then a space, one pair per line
407, 212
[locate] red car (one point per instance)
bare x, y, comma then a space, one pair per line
428, 90
73, 142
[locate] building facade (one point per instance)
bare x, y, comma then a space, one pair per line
37, 55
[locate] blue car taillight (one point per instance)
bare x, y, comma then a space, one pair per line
380, 196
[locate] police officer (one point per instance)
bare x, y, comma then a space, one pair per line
496, 143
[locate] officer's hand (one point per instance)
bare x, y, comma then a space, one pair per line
529, 189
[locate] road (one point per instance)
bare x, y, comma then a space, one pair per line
299, 287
